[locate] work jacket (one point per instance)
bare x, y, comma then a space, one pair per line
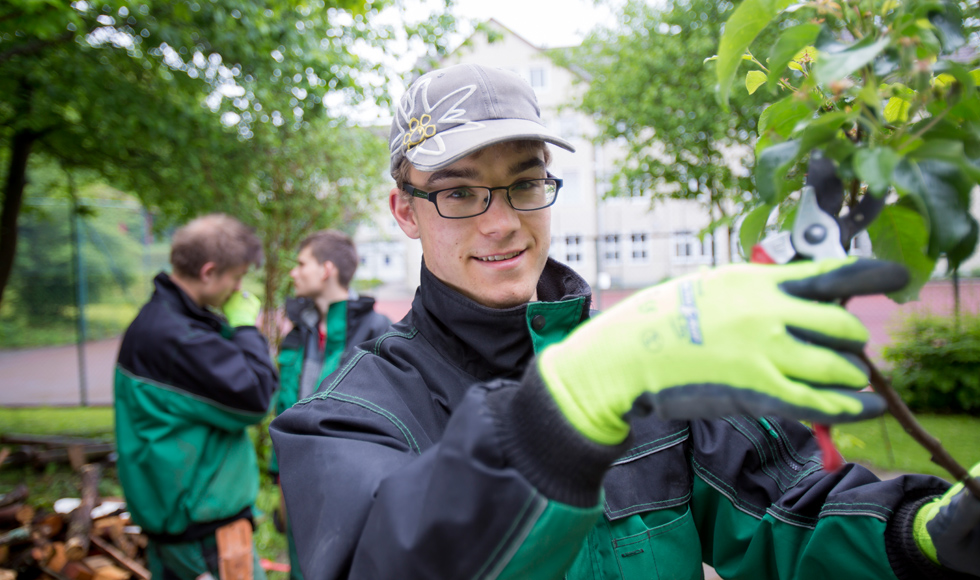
437, 452
303, 363
186, 388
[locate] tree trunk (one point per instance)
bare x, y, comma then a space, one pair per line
13, 197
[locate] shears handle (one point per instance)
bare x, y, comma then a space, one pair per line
831, 457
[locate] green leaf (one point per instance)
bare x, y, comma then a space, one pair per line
875, 167
748, 20
947, 22
754, 79
822, 129
948, 150
752, 228
833, 66
789, 44
899, 234
782, 116
956, 256
771, 168
897, 110
944, 191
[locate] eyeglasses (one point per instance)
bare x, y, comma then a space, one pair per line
470, 201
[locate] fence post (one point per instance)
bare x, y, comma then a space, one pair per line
80, 298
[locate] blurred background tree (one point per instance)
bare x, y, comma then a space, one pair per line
188, 104
649, 87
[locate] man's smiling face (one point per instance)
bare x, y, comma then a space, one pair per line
494, 258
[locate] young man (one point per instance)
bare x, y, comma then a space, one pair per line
189, 381
497, 432
327, 320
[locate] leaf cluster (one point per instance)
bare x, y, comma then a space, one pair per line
888, 90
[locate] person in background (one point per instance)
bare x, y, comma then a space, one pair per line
193, 374
328, 319
499, 431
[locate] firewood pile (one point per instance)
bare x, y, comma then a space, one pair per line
86, 538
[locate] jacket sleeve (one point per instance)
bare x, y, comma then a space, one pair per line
369, 497
236, 375
765, 508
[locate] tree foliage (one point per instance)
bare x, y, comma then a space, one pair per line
649, 87
889, 91
182, 102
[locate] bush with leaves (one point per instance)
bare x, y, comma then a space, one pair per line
936, 364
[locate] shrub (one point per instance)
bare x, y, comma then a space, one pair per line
936, 364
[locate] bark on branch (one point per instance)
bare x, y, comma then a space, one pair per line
907, 420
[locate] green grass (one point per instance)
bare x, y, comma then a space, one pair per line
68, 421
866, 443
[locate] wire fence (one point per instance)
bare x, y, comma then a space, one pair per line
81, 273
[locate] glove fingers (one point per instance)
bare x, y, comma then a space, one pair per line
708, 401
819, 366
824, 324
835, 279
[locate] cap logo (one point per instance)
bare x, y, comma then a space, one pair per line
418, 131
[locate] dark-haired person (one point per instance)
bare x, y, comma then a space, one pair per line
193, 373
500, 432
327, 320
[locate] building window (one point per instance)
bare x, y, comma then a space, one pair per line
612, 250
573, 249
640, 247
688, 249
538, 77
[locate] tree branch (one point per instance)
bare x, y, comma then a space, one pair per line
907, 420
34, 46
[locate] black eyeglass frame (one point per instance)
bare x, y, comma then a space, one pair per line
431, 195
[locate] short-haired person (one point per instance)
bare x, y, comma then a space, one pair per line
328, 319
193, 374
498, 432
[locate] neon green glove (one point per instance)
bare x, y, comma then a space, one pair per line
242, 309
746, 339
947, 529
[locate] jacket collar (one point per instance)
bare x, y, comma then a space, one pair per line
488, 342
166, 289
303, 312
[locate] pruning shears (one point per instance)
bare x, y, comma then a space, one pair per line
819, 232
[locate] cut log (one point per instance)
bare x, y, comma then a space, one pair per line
47, 525
77, 541
20, 535
15, 515
126, 562
76, 456
59, 559
77, 571
18, 495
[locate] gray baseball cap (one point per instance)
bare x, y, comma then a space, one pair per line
452, 112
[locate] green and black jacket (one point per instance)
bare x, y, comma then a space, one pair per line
302, 364
439, 454
187, 386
